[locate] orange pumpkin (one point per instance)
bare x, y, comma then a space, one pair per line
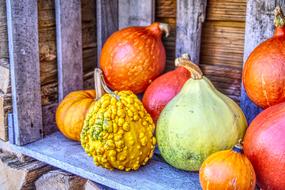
71, 112
132, 57
228, 169
264, 71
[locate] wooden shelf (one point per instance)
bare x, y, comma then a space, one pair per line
68, 155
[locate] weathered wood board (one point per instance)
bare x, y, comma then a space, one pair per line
107, 22
132, 13
58, 151
257, 12
69, 46
25, 70
190, 16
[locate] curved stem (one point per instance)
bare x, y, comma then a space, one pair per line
279, 20
100, 84
165, 28
238, 147
184, 61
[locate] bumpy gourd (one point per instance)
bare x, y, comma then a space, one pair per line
198, 122
117, 131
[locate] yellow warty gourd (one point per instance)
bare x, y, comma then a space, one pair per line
117, 131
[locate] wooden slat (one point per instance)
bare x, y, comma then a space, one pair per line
229, 10
259, 27
222, 44
69, 46
107, 21
68, 155
132, 13
25, 70
190, 16
165, 12
165, 8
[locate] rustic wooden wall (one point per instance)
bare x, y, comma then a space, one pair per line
223, 44
222, 41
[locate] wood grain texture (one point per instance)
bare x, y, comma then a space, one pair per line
18, 174
69, 46
259, 27
59, 180
132, 13
25, 70
165, 12
229, 10
107, 22
5, 85
190, 16
155, 175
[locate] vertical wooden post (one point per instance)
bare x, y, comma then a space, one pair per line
22, 18
259, 27
190, 16
69, 46
107, 21
134, 13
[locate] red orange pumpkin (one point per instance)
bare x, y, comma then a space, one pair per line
264, 145
165, 87
264, 71
71, 112
132, 57
228, 169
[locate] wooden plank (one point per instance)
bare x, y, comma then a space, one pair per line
259, 27
132, 13
107, 22
229, 10
25, 70
69, 46
155, 175
190, 16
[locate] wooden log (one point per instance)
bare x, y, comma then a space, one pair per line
25, 70
259, 27
69, 46
132, 13
17, 174
90, 185
190, 16
58, 179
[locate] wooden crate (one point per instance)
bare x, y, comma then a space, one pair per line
224, 31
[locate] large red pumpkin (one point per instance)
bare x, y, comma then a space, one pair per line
264, 145
264, 71
132, 57
166, 87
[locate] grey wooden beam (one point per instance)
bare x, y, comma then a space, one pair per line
259, 27
134, 13
22, 19
68, 155
190, 17
69, 46
107, 21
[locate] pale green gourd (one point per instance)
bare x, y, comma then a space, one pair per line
198, 122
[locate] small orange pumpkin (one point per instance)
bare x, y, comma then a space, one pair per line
71, 112
228, 169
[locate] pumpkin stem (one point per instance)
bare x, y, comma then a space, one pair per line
238, 147
165, 28
100, 84
184, 61
279, 20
